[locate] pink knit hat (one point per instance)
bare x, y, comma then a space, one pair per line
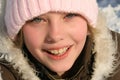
19, 11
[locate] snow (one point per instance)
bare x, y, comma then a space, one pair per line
111, 8
105, 3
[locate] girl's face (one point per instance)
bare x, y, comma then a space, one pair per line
56, 39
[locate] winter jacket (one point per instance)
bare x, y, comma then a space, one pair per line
99, 59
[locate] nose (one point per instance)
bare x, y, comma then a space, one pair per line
55, 32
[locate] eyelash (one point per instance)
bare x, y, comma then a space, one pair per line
37, 19
70, 15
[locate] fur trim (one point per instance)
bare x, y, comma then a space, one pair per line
105, 49
16, 58
1, 76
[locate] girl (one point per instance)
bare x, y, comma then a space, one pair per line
58, 40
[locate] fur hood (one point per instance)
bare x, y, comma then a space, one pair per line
105, 48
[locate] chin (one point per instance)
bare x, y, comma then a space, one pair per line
60, 69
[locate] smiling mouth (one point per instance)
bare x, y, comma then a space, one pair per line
57, 52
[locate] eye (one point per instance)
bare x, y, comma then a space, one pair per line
71, 15
37, 20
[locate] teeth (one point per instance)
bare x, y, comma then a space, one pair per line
56, 52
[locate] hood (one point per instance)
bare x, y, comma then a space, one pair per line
104, 47
106, 50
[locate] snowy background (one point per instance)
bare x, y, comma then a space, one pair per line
104, 3
111, 8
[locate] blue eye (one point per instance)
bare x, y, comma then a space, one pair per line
37, 19
70, 15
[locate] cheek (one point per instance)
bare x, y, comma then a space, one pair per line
79, 37
80, 32
32, 37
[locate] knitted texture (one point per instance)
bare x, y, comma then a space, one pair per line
19, 11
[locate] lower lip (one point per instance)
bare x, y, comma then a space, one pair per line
59, 57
